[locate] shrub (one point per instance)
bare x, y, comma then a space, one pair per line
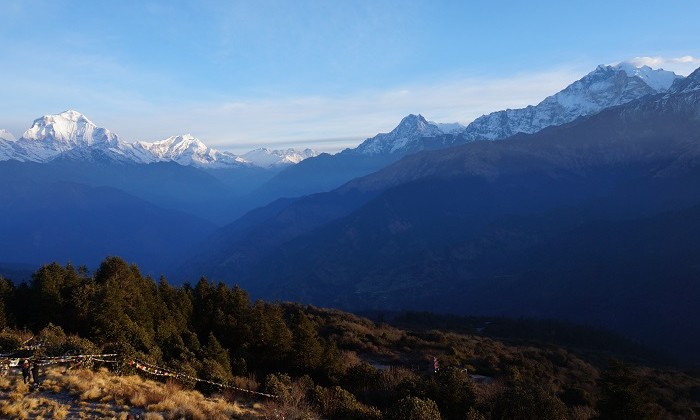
412, 408
624, 395
529, 403
9, 341
337, 403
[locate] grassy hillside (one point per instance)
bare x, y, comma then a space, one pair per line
85, 393
320, 363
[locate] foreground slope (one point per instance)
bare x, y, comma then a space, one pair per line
295, 361
84, 393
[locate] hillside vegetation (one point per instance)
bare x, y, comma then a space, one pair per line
319, 363
83, 393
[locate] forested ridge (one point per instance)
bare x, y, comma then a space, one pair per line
325, 363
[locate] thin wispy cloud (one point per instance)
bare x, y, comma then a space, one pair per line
683, 65
330, 123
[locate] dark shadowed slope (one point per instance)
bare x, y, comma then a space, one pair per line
467, 229
63, 221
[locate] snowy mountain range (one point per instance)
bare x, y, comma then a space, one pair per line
71, 135
188, 150
604, 87
267, 158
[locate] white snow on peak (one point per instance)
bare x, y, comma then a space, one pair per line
688, 84
449, 128
604, 87
7, 150
175, 146
71, 135
6, 135
407, 137
268, 158
659, 79
188, 150
69, 129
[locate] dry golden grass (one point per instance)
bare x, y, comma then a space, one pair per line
5, 383
21, 407
168, 400
90, 394
246, 382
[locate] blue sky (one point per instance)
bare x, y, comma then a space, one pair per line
325, 74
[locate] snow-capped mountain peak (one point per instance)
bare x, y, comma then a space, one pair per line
6, 135
413, 124
449, 128
602, 88
70, 135
175, 146
688, 84
406, 137
267, 158
69, 129
659, 79
188, 150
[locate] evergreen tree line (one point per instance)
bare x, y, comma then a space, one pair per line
215, 332
210, 328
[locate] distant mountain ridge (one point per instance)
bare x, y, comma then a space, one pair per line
595, 221
69, 132
604, 87
266, 158
402, 139
76, 137
72, 136
188, 150
6, 135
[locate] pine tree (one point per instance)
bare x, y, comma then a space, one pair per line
125, 305
307, 349
6, 294
216, 363
412, 408
271, 339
